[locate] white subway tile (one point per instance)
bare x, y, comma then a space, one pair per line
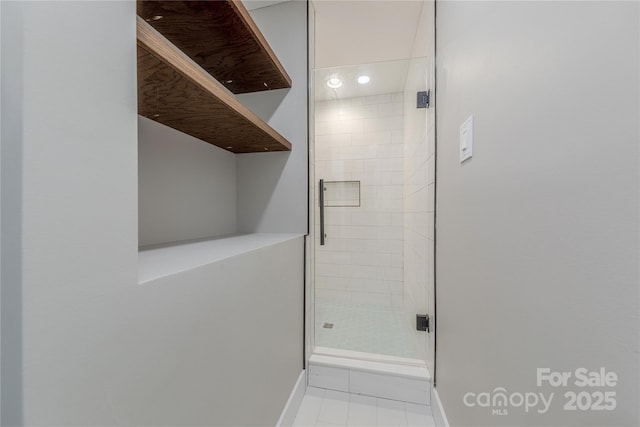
391, 109
327, 269
355, 285
397, 260
358, 112
336, 283
372, 298
322, 128
397, 97
333, 257
397, 137
396, 287
358, 271
333, 295
372, 259
392, 273
334, 140
345, 126
375, 285
383, 123
374, 99
327, 114
397, 300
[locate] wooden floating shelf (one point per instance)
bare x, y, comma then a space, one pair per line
222, 38
175, 91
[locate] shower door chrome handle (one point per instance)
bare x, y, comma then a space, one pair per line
321, 199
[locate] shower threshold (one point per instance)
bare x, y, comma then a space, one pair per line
388, 377
373, 357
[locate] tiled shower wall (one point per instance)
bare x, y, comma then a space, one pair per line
362, 139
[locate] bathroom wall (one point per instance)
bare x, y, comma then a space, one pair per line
187, 187
88, 345
537, 234
272, 187
11, 215
362, 139
418, 195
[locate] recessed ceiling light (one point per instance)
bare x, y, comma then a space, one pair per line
334, 82
157, 17
363, 79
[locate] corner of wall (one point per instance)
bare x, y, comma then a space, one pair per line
272, 187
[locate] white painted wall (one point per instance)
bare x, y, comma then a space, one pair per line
361, 139
79, 207
97, 348
187, 187
537, 235
272, 187
11, 206
214, 341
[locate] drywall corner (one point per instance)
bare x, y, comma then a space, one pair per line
272, 187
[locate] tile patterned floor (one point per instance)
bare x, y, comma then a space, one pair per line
366, 327
333, 408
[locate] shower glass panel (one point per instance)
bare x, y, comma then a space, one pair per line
371, 178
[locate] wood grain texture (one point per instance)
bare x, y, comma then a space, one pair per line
175, 91
222, 38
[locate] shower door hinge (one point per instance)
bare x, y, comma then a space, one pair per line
424, 99
422, 322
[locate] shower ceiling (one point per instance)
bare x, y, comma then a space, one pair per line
386, 77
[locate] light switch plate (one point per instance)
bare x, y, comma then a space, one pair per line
466, 139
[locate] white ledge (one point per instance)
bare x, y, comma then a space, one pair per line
407, 371
157, 261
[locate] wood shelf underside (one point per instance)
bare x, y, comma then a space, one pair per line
222, 38
175, 91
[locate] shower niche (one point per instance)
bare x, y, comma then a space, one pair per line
341, 194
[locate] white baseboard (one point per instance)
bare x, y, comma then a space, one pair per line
290, 410
439, 416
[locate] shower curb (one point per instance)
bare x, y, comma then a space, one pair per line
404, 383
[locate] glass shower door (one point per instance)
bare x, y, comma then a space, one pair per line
371, 244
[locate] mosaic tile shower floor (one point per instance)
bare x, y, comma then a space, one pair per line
367, 328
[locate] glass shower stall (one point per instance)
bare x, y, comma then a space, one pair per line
373, 187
